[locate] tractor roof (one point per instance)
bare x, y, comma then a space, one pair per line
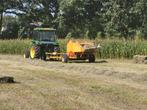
45, 29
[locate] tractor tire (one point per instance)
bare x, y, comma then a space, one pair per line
65, 58
91, 58
27, 53
35, 52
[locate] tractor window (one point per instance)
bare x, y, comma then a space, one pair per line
45, 36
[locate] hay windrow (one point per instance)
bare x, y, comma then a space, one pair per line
140, 59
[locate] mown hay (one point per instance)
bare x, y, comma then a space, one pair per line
140, 59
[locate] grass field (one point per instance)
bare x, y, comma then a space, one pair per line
116, 85
110, 48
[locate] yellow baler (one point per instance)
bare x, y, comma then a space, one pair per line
80, 50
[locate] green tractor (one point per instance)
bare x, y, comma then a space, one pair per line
44, 45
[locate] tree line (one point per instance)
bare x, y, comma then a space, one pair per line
76, 18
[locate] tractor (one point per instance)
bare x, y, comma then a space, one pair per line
45, 46
44, 41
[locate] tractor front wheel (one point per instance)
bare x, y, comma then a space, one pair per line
35, 52
27, 53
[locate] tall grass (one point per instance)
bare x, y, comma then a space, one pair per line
110, 48
122, 49
13, 46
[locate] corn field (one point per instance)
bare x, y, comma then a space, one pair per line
13, 46
122, 49
110, 48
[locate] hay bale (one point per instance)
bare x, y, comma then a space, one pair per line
141, 59
7, 79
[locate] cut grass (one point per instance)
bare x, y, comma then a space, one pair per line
43, 87
120, 93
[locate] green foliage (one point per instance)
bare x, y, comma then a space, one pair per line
62, 44
86, 36
69, 35
117, 18
99, 35
11, 30
78, 17
138, 37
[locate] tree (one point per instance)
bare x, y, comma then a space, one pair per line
123, 18
80, 16
115, 18
43, 11
5, 7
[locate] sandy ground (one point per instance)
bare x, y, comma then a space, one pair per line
104, 85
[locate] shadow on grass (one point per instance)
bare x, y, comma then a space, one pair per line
79, 61
83, 61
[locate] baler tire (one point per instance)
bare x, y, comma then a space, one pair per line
65, 58
91, 58
27, 53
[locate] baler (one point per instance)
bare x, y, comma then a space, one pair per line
80, 50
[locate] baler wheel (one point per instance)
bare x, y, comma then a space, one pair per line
64, 58
43, 56
91, 58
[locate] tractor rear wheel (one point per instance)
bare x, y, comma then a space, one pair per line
91, 58
64, 58
35, 52
27, 53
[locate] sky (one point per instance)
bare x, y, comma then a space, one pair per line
11, 14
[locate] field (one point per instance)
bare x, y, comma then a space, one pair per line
104, 85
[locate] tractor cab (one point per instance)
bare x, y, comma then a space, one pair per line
44, 35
